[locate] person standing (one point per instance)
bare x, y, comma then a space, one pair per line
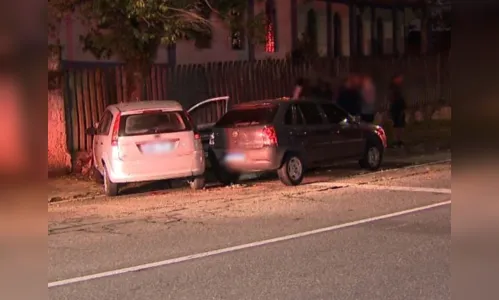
368, 92
349, 97
322, 90
327, 92
397, 108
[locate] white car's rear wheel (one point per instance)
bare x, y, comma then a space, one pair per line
197, 183
110, 188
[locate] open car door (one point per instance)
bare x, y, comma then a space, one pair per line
206, 113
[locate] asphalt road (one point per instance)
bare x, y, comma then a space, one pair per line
363, 252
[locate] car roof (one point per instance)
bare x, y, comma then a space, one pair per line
147, 105
277, 101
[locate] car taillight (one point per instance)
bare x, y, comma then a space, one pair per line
116, 129
381, 133
269, 136
198, 145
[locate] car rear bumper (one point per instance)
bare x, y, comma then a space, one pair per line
254, 160
118, 170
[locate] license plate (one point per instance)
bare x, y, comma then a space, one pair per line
231, 157
157, 147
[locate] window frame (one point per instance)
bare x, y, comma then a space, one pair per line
295, 115
238, 31
100, 129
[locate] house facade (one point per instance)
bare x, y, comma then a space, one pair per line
340, 27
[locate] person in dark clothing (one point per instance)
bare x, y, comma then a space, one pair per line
349, 97
340, 90
322, 91
397, 108
315, 90
326, 91
368, 92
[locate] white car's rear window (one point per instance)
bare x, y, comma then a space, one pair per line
154, 123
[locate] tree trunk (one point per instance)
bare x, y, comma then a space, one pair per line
134, 81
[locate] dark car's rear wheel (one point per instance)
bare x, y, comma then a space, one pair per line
110, 188
373, 156
292, 170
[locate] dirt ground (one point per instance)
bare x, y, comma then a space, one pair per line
257, 197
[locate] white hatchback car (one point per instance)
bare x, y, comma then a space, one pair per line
147, 141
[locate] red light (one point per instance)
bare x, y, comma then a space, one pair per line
197, 142
116, 129
269, 39
381, 133
269, 136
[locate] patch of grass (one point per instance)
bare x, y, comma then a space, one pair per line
431, 133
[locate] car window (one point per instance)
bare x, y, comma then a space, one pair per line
299, 117
333, 113
153, 123
311, 113
248, 116
288, 117
105, 123
293, 116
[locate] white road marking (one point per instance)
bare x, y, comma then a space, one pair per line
240, 247
383, 187
405, 188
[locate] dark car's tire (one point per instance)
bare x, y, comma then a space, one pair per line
197, 183
110, 188
373, 155
292, 170
224, 176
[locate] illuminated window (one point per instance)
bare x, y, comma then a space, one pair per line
270, 30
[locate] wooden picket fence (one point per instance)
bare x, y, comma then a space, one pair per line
90, 87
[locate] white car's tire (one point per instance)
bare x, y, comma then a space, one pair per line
110, 188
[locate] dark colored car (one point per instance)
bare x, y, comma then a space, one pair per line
289, 136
